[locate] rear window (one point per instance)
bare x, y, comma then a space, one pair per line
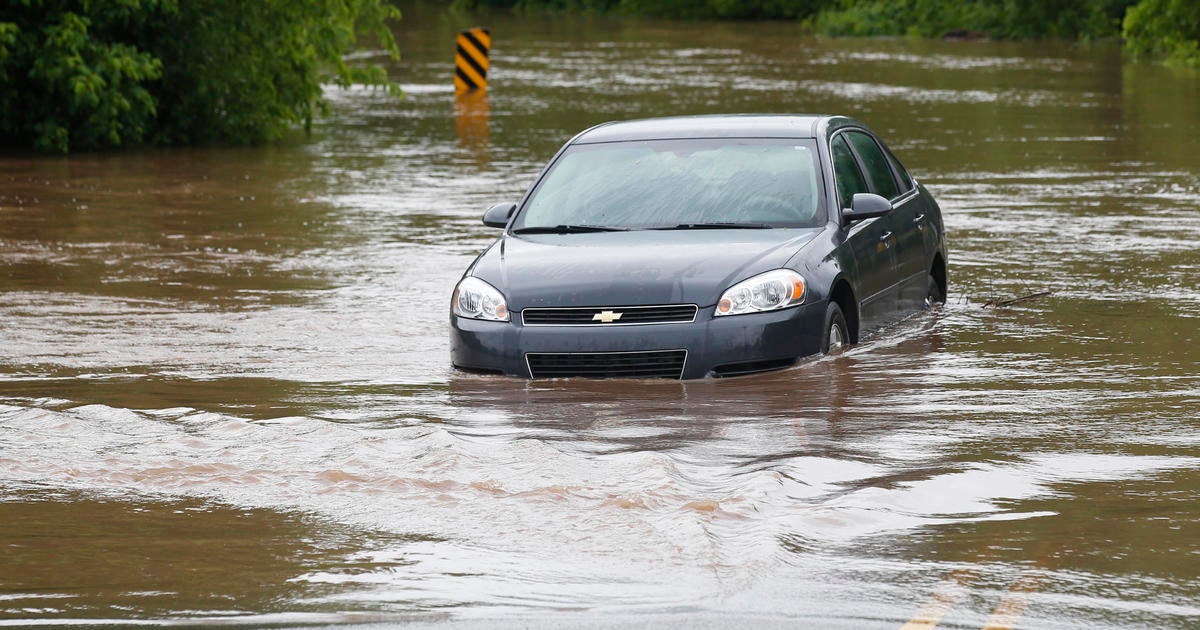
849, 178
906, 183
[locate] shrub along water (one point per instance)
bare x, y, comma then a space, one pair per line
77, 74
1166, 29
1003, 19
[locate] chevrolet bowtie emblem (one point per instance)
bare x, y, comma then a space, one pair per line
606, 317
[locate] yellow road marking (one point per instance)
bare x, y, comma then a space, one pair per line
1008, 612
1004, 616
947, 593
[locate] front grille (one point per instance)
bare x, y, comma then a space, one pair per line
608, 315
653, 364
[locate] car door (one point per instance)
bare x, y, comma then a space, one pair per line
870, 242
919, 241
905, 221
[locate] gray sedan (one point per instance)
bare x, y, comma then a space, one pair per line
700, 246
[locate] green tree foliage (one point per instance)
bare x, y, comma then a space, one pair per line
1158, 29
67, 77
723, 9
689, 9
86, 74
1006, 19
1167, 29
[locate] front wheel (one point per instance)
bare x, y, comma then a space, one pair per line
836, 335
933, 292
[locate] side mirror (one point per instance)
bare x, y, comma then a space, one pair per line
866, 206
497, 216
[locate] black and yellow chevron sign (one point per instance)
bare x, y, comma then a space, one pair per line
471, 60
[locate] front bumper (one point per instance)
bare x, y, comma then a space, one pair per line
715, 346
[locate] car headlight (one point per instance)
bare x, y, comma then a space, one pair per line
765, 292
476, 299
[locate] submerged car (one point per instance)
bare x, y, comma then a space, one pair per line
700, 246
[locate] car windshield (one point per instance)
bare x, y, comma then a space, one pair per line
678, 184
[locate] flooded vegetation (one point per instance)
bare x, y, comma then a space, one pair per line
225, 391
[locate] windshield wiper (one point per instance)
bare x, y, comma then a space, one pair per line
568, 229
715, 226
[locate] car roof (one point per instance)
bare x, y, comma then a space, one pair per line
712, 126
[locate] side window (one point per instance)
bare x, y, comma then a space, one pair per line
906, 183
845, 169
878, 170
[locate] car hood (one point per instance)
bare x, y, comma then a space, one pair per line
633, 268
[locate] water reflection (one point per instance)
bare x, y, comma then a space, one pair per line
471, 113
184, 225
667, 415
249, 397
71, 557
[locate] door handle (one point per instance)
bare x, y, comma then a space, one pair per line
920, 219
885, 242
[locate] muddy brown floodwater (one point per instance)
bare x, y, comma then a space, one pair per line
225, 393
